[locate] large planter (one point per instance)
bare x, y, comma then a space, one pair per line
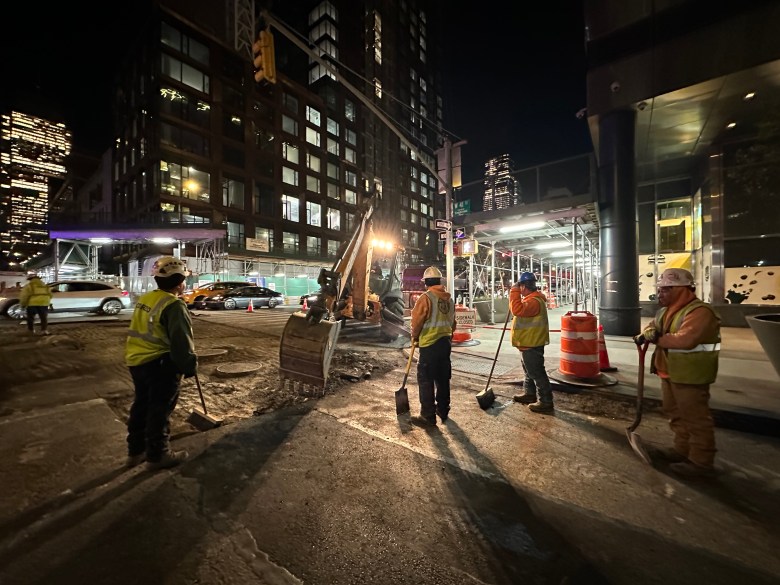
767, 330
500, 305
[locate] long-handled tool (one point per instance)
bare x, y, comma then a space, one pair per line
202, 422
401, 395
633, 438
487, 397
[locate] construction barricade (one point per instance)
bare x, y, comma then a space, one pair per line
465, 323
579, 345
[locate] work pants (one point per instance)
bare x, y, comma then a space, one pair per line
42, 312
156, 393
434, 370
687, 406
536, 380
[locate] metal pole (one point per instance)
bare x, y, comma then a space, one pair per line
492, 280
574, 260
448, 216
471, 281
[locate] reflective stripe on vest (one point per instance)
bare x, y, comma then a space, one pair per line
698, 365
147, 339
531, 331
439, 324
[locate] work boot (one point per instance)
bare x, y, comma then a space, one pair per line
542, 407
443, 415
45, 332
169, 459
423, 421
692, 471
524, 398
135, 460
672, 455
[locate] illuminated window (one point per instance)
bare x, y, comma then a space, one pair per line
334, 219
290, 176
350, 155
349, 111
313, 136
377, 38
313, 246
181, 181
378, 87
235, 234
333, 248
312, 184
290, 242
184, 73
290, 209
289, 125
333, 171
290, 103
350, 196
350, 137
313, 214
333, 191
323, 9
313, 116
350, 178
290, 152
333, 127
313, 162
233, 193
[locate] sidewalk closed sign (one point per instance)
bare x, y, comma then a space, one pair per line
465, 318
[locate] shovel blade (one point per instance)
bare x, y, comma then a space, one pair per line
202, 422
401, 401
639, 448
486, 398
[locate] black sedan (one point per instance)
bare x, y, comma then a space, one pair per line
239, 298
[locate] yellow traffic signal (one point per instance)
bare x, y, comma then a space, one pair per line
263, 51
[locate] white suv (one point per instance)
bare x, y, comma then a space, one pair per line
90, 296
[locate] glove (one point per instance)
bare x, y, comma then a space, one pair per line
639, 340
649, 335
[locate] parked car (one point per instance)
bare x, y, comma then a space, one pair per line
239, 298
310, 297
196, 296
89, 296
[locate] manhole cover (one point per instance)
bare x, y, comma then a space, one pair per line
211, 353
236, 369
479, 366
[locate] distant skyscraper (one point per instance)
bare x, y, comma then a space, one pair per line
500, 185
32, 152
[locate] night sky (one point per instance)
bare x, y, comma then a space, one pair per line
514, 79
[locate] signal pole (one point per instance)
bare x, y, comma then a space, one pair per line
450, 261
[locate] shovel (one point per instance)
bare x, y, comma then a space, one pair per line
202, 422
487, 397
401, 395
633, 438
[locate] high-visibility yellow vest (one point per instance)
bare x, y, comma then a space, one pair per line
147, 339
439, 324
698, 365
35, 294
531, 331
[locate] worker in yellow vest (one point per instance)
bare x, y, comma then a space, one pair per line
530, 333
433, 323
686, 333
160, 351
36, 298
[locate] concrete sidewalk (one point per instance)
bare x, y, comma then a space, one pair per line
747, 384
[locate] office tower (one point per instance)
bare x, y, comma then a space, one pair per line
500, 184
32, 153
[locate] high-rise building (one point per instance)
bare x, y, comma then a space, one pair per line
32, 153
500, 184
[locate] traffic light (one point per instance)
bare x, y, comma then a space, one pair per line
263, 51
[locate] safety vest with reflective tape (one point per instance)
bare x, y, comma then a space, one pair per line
698, 365
531, 331
439, 324
147, 338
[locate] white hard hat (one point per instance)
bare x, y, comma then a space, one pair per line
431, 272
168, 266
675, 277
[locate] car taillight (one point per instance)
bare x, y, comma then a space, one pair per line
125, 293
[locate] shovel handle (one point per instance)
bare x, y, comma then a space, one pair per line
498, 349
408, 365
202, 402
640, 385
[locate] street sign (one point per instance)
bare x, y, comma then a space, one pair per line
442, 235
462, 207
460, 233
443, 224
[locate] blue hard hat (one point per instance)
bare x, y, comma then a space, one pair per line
526, 277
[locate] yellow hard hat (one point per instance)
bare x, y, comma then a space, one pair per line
431, 272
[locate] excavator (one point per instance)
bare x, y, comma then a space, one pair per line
349, 290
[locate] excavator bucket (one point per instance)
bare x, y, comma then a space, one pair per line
306, 349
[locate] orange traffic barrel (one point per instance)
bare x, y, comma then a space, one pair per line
580, 345
465, 319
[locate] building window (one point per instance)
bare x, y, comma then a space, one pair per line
313, 214
290, 242
313, 116
333, 191
289, 125
350, 178
313, 163
184, 73
333, 127
264, 199
290, 152
289, 176
312, 136
378, 38
184, 44
350, 222
324, 29
183, 139
264, 235
235, 234
233, 127
350, 155
350, 196
185, 107
333, 248
413, 239
233, 193
290, 209
290, 103
312, 184
334, 219
264, 139
333, 146
333, 171
349, 111
350, 137
313, 246
378, 87
184, 181
323, 9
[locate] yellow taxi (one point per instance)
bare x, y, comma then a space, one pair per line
195, 297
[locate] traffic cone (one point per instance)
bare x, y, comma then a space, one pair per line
250, 308
305, 306
604, 365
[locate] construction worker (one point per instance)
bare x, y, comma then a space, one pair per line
530, 333
159, 351
36, 298
433, 323
686, 333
